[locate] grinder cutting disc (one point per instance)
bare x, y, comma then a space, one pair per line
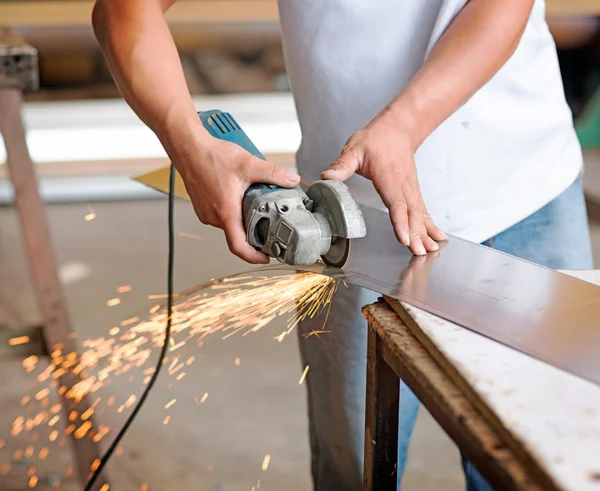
338, 252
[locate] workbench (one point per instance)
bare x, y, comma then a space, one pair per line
524, 424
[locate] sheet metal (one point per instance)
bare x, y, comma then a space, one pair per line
543, 313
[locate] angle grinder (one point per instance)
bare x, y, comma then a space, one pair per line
292, 225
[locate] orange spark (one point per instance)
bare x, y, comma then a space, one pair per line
113, 301
91, 214
170, 403
33, 481
189, 236
301, 381
131, 320
265, 464
42, 393
124, 289
237, 362
314, 333
83, 430
18, 340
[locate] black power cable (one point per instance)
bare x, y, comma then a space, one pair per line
163, 352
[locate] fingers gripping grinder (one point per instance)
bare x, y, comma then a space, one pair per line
291, 225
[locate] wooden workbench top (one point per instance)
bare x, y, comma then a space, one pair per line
552, 415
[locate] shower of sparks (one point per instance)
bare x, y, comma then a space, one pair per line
301, 381
220, 309
265, 464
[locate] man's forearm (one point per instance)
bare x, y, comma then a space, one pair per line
143, 59
477, 43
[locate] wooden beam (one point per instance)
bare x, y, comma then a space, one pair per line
44, 270
381, 420
78, 12
573, 7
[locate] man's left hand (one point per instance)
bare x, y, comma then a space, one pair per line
383, 153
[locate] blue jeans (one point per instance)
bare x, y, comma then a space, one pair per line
556, 236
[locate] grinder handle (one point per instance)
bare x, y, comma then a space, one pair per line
223, 126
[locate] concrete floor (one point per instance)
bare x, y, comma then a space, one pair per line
254, 409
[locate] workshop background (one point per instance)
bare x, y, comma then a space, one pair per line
239, 420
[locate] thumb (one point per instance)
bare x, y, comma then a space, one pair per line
265, 172
345, 165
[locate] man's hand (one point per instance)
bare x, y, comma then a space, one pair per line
383, 153
216, 174
476, 44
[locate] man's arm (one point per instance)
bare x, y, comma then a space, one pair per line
477, 43
143, 59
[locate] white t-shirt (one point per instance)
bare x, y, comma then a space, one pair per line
503, 155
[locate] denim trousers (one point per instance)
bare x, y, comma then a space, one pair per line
556, 236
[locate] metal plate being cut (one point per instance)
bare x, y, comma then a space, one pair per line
543, 313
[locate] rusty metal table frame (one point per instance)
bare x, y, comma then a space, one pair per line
19, 73
394, 353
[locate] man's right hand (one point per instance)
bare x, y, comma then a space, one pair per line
216, 174
143, 59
